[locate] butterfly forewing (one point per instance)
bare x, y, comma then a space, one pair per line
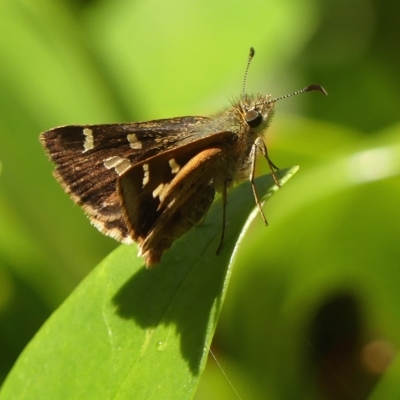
91, 158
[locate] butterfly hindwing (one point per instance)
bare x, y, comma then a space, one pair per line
166, 196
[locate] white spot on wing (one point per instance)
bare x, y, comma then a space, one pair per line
146, 177
111, 162
163, 192
158, 190
124, 165
118, 163
134, 142
175, 167
89, 140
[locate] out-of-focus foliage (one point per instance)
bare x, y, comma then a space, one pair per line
312, 308
129, 332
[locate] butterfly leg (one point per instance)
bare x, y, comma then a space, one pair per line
253, 157
261, 145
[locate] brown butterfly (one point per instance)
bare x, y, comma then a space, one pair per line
151, 182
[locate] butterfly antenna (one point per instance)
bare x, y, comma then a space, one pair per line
306, 89
251, 55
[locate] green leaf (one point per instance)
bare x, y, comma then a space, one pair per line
127, 332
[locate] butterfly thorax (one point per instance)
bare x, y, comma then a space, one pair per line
244, 132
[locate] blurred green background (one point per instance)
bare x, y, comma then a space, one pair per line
313, 307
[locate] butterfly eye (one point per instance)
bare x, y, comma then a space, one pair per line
253, 118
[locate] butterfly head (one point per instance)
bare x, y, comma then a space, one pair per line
258, 111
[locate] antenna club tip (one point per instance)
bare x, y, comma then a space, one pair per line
252, 52
316, 87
